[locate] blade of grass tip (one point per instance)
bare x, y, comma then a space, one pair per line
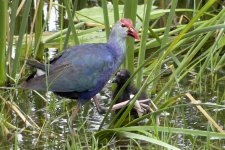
38, 29
141, 55
12, 28
116, 10
3, 13
205, 113
106, 18
130, 10
21, 34
71, 24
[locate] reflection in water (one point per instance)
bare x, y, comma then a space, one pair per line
54, 15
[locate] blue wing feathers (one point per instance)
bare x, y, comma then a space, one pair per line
80, 68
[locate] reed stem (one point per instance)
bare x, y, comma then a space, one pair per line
130, 10
12, 29
71, 24
106, 18
22, 30
69, 29
3, 15
141, 54
38, 30
115, 10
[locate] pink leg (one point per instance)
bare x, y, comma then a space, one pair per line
74, 112
100, 109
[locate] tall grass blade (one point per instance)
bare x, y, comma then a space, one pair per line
38, 29
71, 24
22, 30
106, 18
3, 15
12, 29
130, 10
69, 29
142, 49
147, 139
38, 42
116, 10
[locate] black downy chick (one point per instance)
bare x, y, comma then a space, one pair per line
121, 77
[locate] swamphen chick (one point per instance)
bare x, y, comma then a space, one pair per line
120, 79
81, 71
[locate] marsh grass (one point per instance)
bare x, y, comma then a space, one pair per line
3, 12
38, 28
172, 64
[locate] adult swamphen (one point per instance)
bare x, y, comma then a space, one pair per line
81, 71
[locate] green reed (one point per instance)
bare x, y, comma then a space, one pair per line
130, 10
142, 49
38, 29
3, 15
22, 31
116, 10
71, 24
11, 35
106, 18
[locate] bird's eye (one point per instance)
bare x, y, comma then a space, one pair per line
123, 25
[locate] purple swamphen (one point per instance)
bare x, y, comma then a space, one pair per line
120, 79
81, 71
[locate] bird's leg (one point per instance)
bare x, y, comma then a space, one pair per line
100, 109
75, 112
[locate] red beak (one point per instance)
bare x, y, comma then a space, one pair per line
133, 32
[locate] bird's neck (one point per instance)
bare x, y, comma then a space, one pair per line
118, 45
